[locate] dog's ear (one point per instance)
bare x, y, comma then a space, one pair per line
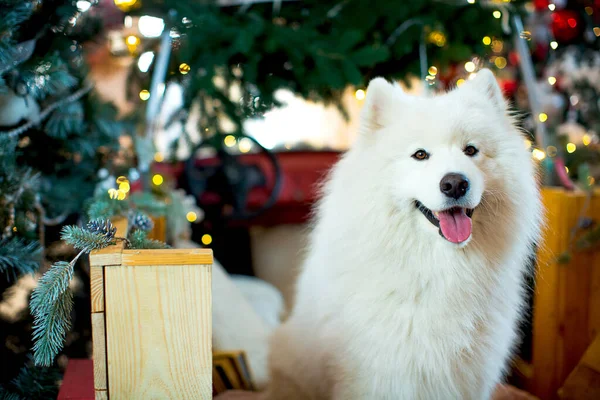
485, 82
380, 94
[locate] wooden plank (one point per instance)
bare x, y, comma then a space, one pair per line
567, 297
167, 257
97, 288
545, 322
99, 351
159, 330
101, 395
159, 231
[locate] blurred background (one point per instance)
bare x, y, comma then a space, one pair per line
225, 115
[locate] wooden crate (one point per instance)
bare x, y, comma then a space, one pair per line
566, 315
151, 322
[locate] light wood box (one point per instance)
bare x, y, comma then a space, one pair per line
151, 322
566, 314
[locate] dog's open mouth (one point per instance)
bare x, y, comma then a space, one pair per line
454, 224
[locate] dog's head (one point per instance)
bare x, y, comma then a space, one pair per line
445, 154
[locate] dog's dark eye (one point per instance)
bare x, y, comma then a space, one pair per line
470, 151
420, 155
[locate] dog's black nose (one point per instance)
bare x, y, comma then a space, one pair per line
454, 185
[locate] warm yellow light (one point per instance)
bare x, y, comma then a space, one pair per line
230, 141
184, 68
551, 7
437, 38
191, 216
586, 140
159, 157
122, 179
124, 187
360, 94
125, 5
132, 40
432, 70
527, 143
460, 82
596, 31
567, 170
543, 117
487, 40
113, 193
471, 1
571, 147
144, 95
121, 195
551, 80
538, 154
554, 45
245, 145
157, 179
591, 180
497, 14
551, 151
206, 239
470, 66
500, 62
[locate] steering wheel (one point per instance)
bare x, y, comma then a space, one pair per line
232, 180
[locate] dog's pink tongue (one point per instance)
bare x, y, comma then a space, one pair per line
455, 225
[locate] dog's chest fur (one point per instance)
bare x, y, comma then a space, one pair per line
396, 332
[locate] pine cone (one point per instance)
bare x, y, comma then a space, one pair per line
141, 221
103, 227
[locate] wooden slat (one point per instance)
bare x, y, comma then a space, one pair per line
97, 288
545, 321
159, 231
101, 395
99, 349
567, 297
159, 329
167, 257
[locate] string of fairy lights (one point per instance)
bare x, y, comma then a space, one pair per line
497, 46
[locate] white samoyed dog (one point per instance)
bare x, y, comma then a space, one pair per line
413, 284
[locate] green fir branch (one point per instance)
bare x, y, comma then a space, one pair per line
66, 119
84, 240
51, 305
103, 207
19, 257
7, 395
138, 239
32, 383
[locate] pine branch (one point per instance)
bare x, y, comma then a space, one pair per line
138, 239
19, 257
106, 208
51, 305
33, 383
85, 240
6, 395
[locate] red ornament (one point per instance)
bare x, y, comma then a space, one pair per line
541, 4
509, 87
565, 25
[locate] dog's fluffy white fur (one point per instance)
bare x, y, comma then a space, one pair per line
386, 308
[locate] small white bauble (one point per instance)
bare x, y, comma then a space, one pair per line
14, 109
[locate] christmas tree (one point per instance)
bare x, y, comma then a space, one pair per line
54, 135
